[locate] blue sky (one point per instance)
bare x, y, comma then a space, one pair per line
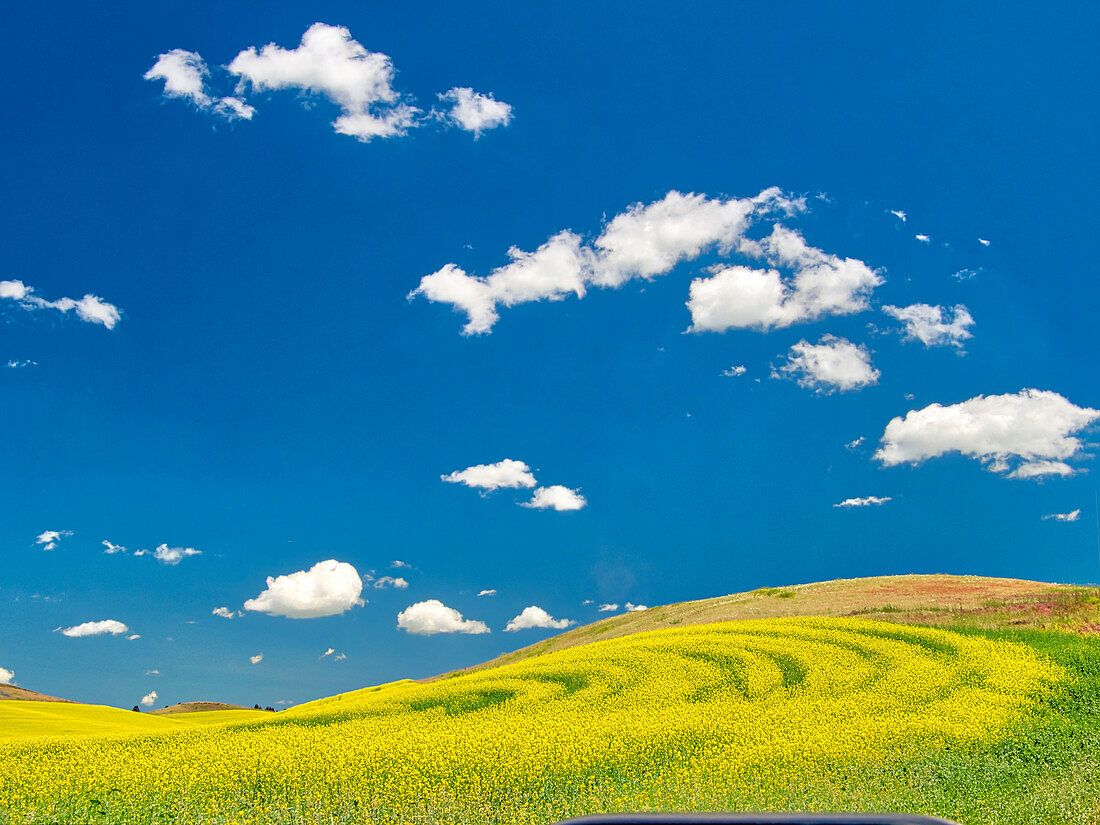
270, 395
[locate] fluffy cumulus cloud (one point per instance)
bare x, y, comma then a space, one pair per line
7, 677
224, 612
100, 628
866, 501
1029, 434
635, 608
329, 62
474, 111
819, 284
184, 74
259, 657
1072, 515
50, 539
148, 699
430, 617
535, 616
555, 497
735, 372
90, 308
508, 473
934, 326
643, 242
328, 588
833, 364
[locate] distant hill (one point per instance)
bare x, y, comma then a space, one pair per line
974, 601
196, 707
22, 694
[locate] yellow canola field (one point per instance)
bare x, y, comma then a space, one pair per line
659, 719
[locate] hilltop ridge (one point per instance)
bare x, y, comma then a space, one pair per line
926, 599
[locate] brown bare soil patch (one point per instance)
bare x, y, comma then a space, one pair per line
24, 695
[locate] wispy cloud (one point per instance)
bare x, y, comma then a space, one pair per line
735, 372
897, 213
50, 539
90, 308
930, 325
868, 501
492, 592
1072, 515
259, 657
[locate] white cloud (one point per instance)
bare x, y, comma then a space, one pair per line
869, 501
153, 672
741, 297
389, 581
492, 592
339, 657
328, 652
397, 564
1039, 469
923, 238
897, 213
856, 443
965, 274
929, 325
7, 677
535, 616
650, 240
1034, 427
1073, 515
90, 308
259, 657
100, 628
326, 589
134, 636
18, 365
148, 699
734, 372
224, 612
608, 608
642, 242
507, 473
552, 272
474, 111
833, 364
111, 549
634, 608
432, 616
330, 63
171, 555
184, 74
15, 290
555, 497
983, 242
50, 539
